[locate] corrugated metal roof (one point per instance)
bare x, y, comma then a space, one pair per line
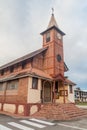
32, 73
67, 81
28, 56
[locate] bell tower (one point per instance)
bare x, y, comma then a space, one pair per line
53, 40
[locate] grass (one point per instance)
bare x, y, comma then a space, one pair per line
82, 103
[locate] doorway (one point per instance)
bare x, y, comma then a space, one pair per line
47, 92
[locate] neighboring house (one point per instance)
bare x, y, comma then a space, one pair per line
80, 95
37, 77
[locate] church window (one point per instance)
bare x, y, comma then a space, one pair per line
2, 72
23, 64
11, 69
12, 85
1, 87
48, 37
59, 36
35, 83
59, 58
70, 89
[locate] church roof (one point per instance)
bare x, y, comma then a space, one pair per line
52, 22
28, 56
29, 72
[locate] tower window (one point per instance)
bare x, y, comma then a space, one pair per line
59, 57
48, 37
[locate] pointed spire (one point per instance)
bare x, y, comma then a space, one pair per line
53, 24
52, 20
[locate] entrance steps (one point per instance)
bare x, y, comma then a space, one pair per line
66, 111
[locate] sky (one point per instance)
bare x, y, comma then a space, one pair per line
22, 21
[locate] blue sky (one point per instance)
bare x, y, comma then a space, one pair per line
22, 21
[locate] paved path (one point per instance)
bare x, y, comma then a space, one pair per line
26, 124
9, 123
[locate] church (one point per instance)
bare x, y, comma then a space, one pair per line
38, 77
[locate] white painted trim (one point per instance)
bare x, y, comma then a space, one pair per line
4, 128
29, 84
19, 126
41, 121
33, 124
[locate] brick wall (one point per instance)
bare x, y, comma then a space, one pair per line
38, 62
16, 96
55, 47
22, 91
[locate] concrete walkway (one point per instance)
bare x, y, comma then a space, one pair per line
82, 106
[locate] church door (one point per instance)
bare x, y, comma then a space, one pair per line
47, 92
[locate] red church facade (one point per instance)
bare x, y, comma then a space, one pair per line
36, 78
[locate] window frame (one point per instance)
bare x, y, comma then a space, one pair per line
63, 91
47, 36
23, 64
11, 69
12, 85
34, 83
70, 89
1, 87
2, 72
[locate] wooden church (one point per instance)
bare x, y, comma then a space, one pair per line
37, 78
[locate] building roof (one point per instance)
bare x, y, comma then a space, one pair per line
79, 90
67, 81
65, 67
59, 77
52, 22
31, 72
28, 56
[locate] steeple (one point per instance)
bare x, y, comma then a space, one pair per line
52, 21
53, 40
53, 24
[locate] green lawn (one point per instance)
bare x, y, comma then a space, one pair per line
82, 103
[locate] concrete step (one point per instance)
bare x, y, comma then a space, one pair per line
60, 112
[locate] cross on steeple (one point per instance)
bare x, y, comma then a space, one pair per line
52, 11
52, 20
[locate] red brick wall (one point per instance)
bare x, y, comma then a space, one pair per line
17, 69
23, 90
38, 62
51, 65
19, 95
1, 98
59, 66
